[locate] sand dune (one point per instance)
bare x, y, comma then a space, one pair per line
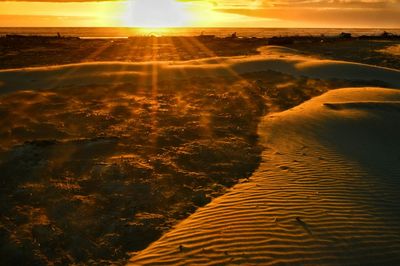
278, 59
326, 192
327, 189
393, 50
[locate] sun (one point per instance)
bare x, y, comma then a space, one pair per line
154, 14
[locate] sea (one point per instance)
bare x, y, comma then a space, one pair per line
111, 32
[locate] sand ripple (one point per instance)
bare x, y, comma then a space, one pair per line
326, 192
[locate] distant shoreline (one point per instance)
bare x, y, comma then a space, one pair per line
273, 40
121, 32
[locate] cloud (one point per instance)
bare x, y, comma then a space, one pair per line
61, 1
297, 13
259, 4
255, 4
327, 17
332, 3
319, 13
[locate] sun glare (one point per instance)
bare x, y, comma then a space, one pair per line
155, 14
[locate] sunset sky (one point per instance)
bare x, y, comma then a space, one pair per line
202, 13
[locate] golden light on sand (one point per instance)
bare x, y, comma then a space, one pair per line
157, 31
154, 14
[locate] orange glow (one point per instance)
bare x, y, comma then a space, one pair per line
207, 13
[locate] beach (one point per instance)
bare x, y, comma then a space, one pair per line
199, 151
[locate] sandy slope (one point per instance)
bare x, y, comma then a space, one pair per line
326, 192
393, 50
279, 59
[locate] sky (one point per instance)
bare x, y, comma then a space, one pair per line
201, 13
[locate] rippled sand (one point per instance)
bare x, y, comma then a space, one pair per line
326, 192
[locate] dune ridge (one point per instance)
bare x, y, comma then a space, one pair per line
278, 59
371, 105
325, 193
